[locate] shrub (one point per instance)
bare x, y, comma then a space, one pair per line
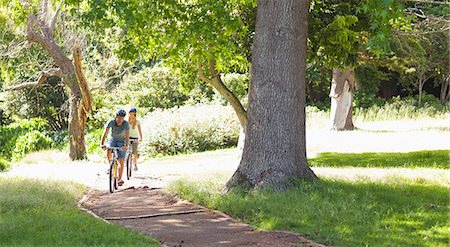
10, 133
189, 129
93, 138
402, 108
4, 164
32, 141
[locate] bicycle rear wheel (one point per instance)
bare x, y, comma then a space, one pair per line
113, 176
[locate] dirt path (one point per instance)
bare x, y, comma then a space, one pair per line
179, 223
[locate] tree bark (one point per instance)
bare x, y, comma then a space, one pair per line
77, 123
275, 147
341, 94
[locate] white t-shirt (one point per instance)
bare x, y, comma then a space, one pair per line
134, 133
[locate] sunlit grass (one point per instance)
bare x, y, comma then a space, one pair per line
44, 213
396, 212
429, 159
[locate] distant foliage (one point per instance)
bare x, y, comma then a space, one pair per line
23, 137
189, 129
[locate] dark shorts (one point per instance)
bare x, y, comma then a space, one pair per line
120, 153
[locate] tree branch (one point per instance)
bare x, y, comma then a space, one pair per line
61, 60
201, 75
218, 84
53, 21
40, 81
82, 81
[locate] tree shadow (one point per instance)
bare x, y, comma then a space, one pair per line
340, 213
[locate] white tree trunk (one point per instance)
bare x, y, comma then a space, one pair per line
341, 107
341, 94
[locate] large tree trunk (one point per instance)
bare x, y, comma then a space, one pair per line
341, 94
275, 147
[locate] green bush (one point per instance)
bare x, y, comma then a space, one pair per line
4, 164
189, 129
31, 141
9, 134
93, 138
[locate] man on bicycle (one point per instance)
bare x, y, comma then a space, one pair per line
119, 137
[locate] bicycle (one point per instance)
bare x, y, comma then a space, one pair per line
129, 158
113, 167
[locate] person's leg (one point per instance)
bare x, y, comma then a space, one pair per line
120, 168
135, 154
135, 160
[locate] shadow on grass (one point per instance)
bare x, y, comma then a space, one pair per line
349, 214
426, 159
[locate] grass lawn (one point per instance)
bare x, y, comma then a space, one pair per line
44, 213
393, 211
428, 159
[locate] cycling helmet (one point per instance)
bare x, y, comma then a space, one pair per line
133, 110
121, 113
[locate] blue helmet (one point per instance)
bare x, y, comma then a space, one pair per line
121, 113
133, 110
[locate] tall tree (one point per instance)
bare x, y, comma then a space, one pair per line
40, 29
275, 149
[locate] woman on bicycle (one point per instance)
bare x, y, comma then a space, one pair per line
135, 134
119, 137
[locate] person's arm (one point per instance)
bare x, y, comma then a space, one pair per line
105, 133
140, 132
127, 139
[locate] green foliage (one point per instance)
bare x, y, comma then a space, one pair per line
364, 99
394, 212
427, 159
189, 129
10, 134
179, 32
93, 138
4, 164
151, 88
31, 141
37, 212
48, 102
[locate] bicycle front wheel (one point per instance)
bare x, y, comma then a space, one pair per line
113, 176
